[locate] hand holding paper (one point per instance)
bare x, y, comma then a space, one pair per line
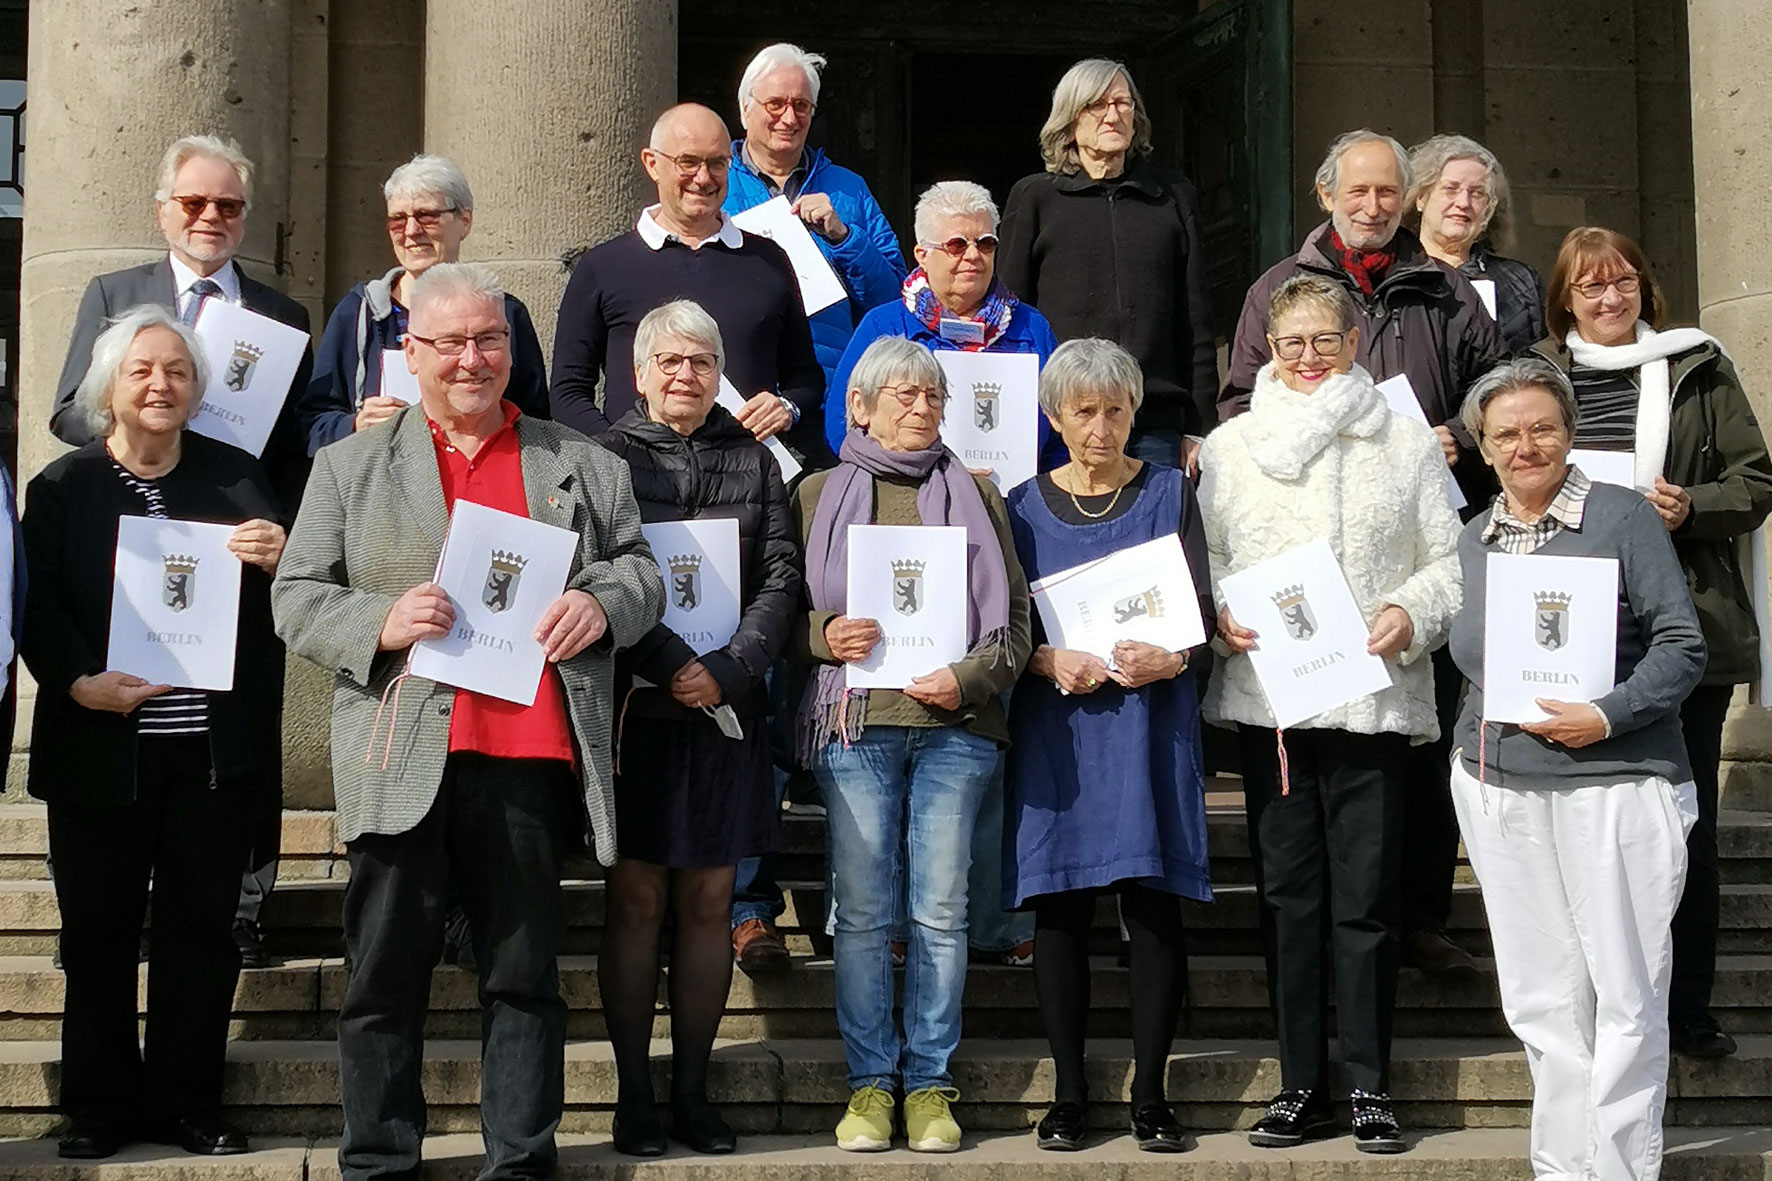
259, 543
1392, 632
572, 623
939, 689
1236, 637
1570, 724
422, 613
851, 640
113, 692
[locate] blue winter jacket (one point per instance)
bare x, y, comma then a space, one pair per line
868, 261
1028, 333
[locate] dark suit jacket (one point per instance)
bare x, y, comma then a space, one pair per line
108, 296
70, 534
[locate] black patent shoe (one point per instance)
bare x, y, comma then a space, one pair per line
1375, 1125
1155, 1129
698, 1125
89, 1137
1063, 1128
202, 1135
637, 1132
1292, 1118
1701, 1039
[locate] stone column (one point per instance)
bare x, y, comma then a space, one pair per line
1731, 41
545, 106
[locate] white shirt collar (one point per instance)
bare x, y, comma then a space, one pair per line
655, 235
228, 279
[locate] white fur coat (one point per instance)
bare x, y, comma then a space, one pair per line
1336, 464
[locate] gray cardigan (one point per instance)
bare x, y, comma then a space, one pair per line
1660, 655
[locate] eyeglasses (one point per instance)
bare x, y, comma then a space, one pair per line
688, 166
700, 364
454, 346
226, 208
956, 246
1626, 284
427, 219
907, 395
1324, 344
1477, 194
778, 106
1103, 105
1507, 440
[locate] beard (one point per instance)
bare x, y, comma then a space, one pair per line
1357, 237
207, 249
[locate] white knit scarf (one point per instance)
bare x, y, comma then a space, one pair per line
1648, 356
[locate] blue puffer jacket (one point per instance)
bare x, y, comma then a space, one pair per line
868, 261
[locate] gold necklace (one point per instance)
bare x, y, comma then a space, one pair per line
1078, 505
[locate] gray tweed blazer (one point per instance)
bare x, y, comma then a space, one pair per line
371, 527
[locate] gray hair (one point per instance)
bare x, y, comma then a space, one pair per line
1429, 158
92, 401
1081, 85
887, 360
680, 317
1521, 373
425, 175
455, 280
190, 147
772, 58
1314, 290
1086, 366
1329, 171
951, 198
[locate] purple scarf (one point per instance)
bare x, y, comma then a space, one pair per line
948, 495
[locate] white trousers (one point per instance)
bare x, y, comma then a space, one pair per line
1581, 884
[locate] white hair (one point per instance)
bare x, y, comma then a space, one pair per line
425, 175
92, 401
456, 280
1081, 85
190, 147
772, 58
891, 359
1086, 366
682, 318
1328, 175
951, 198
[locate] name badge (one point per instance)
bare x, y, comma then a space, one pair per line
961, 331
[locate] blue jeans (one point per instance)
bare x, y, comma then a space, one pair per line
989, 926
901, 803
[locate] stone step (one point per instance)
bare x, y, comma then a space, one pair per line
1467, 1154
800, 1086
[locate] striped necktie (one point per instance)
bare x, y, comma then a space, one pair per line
201, 290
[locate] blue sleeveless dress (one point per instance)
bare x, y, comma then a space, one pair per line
1108, 786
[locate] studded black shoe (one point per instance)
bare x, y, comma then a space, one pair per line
1292, 1118
1375, 1125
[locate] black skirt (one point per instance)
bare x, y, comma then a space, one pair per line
688, 797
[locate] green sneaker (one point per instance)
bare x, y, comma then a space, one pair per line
867, 1125
928, 1124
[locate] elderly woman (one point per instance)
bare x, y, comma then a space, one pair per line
430, 212
146, 781
1105, 785
1109, 246
1320, 456
1464, 210
1576, 825
903, 772
693, 789
1672, 400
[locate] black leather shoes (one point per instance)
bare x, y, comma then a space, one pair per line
698, 1125
202, 1135
1701, 1039
1434, 953
1063, 1128
1155, 1129
1292, 1118
637, 1132
89, 1137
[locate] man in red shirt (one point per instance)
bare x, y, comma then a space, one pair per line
433, 781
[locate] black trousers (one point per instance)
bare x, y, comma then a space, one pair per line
187, 835
1430, 826
500, 829
1326, 866
1695, 922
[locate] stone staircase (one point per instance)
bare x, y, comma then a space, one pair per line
778, 1071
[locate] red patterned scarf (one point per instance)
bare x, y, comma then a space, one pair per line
1367, 267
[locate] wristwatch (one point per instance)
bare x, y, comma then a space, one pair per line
788, 405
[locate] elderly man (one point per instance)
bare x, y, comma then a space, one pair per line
434, 782
430, 211
776, 98
1418, 318
204, 193
685, 247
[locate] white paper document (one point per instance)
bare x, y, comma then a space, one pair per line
1486, 293
502, 573
1310, 651
397, 381
776, 220
993, 413
911, 580
1606, 467
698, 561
734, 401
1550, 629
1400, 394
252, 361
175, 603
1144, 592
